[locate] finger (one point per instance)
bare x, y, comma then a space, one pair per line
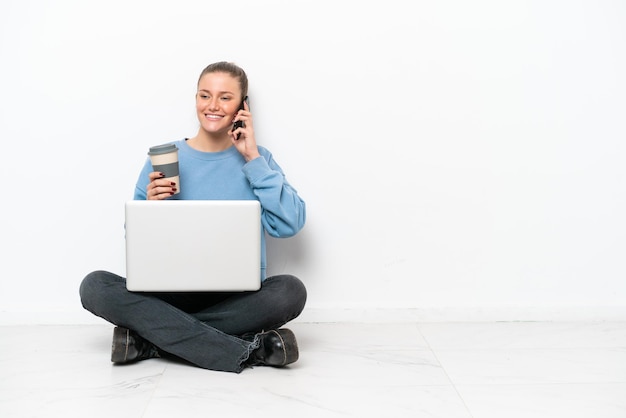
159, 196
155, 175
160, 182
160, 185
246, 118
238, 134
163, 186
160, 193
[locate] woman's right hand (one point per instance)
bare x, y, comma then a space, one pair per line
159, 189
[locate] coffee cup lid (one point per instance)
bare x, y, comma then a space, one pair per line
162, 149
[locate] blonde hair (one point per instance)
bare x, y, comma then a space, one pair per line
229, 68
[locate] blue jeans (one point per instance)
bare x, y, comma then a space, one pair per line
205, 329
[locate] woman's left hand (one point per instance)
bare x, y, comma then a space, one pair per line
246, 144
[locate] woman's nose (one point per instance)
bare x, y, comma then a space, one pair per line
213, 104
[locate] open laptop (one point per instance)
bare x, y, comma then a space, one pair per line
193, 245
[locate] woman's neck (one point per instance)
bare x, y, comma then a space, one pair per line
207, 143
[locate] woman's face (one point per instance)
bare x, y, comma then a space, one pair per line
217, 102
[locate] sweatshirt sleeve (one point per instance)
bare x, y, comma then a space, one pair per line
282, 211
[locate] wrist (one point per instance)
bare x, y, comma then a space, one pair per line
252, 156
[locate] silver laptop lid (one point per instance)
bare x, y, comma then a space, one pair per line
193, 245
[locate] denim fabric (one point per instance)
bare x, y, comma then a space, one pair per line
205, 329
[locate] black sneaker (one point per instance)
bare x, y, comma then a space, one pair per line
277, 348
128, 347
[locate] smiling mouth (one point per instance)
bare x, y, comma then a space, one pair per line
213, 117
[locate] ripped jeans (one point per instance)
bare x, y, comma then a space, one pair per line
204, 329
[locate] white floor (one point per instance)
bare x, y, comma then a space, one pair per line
479, 370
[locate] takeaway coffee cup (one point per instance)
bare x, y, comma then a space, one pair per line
164, 158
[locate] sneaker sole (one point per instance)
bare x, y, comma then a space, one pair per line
119, 347
290, 344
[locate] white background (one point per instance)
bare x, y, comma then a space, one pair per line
453, 155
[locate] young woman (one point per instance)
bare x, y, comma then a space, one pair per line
217, 331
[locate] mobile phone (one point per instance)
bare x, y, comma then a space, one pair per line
239, 123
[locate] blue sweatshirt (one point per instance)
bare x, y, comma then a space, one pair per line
225, 175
